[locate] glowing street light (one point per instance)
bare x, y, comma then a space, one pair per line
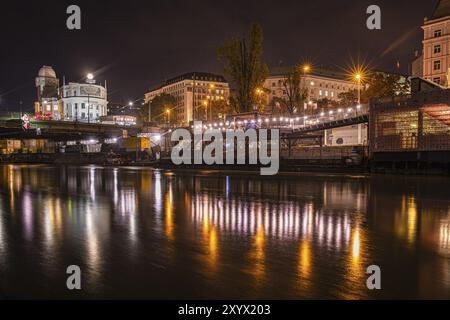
206, 104
90, 76
168, 115
358, 77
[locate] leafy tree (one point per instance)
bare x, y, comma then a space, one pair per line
326, 104
159, 105
385, 85
348, 98
219, 108
143, 113
242, 64
376, 85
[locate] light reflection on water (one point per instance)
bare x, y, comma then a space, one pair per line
140, 233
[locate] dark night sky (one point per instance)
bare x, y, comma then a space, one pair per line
138, 44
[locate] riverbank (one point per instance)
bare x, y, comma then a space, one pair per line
286, 166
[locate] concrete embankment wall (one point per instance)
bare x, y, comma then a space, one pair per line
60, 158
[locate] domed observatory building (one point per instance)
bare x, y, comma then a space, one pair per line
47, 86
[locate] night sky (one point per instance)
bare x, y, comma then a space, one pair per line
135, 45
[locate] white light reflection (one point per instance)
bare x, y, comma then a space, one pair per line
28, 215
276, 221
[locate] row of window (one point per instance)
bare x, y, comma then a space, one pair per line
74, 93
83, 106
197, 90
320, 84
325, 93
200, 87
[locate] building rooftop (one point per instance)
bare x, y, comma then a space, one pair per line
328, 73
442, 10
200, 76
47, 72
319, 72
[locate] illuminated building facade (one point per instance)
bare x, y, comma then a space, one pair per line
319, 84
436, 45
47, 86
85, 102
415, 128
192, 92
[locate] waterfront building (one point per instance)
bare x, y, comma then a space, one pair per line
192, 92
318, 83
84, 102
47, 90
436, 47
412, 128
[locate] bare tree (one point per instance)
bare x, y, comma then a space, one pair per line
295, 93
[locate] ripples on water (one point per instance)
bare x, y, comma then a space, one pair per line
140, 233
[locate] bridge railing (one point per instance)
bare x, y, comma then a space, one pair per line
283, 122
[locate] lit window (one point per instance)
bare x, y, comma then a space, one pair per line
437, 65
437, 49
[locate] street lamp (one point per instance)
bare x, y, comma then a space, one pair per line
306, 68
168, 115
358, 77
205, 103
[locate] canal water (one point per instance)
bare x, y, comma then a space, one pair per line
142, 233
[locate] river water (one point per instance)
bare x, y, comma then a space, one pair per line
147, 234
